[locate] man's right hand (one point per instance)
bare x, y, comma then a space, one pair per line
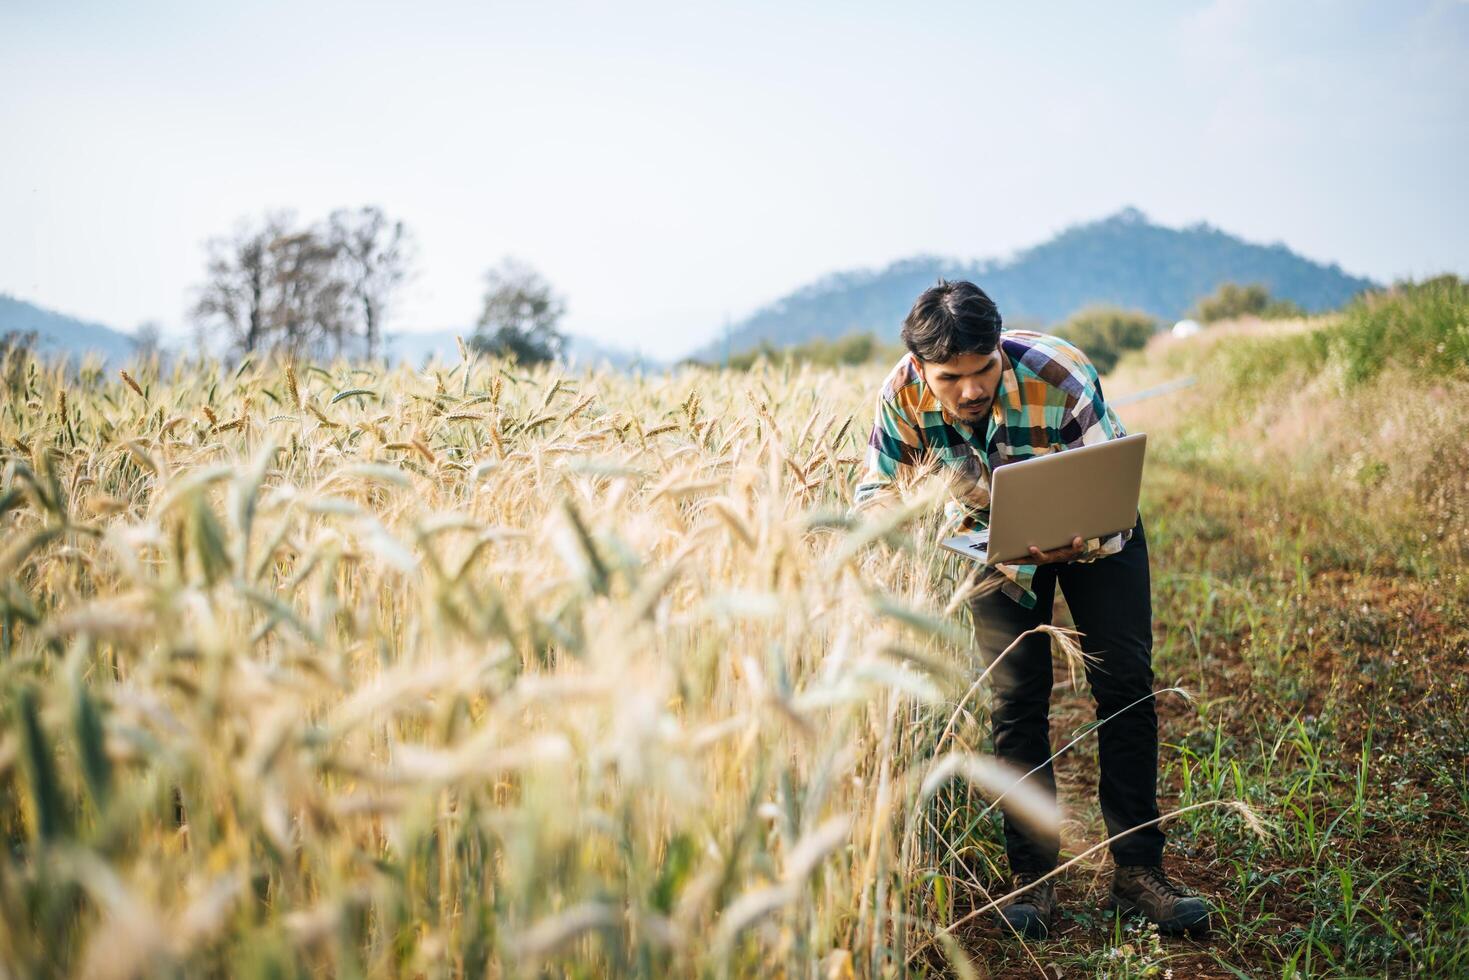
1065, 553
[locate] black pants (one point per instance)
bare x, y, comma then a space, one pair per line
1111, 601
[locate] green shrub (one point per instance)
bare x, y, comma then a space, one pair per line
1231, 300
1105, 333
1423, 326
1415, 324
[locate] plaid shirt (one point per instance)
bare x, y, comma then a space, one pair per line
1049, 399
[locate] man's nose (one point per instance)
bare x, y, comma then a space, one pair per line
974, 393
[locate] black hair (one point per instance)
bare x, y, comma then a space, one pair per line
950, 319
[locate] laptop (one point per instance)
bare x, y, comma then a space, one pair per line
1088, 492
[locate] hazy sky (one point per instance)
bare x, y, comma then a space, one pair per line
668, 166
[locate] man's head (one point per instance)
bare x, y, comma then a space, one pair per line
953, 331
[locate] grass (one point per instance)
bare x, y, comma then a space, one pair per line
321, 669
1319, 618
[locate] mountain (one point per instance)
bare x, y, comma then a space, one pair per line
57, 333
1122, 259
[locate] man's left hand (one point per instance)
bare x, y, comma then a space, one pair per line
1065, 553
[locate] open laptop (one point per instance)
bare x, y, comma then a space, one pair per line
1090, 492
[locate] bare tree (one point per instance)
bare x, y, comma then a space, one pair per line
521, 314
308, 309
375, 254
239, 280
278, 285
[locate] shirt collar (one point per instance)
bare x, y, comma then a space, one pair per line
1009, 383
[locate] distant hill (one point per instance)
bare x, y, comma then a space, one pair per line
57, 333
1123, 259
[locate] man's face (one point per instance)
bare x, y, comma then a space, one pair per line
965, 385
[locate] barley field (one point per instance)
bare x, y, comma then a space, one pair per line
472, 670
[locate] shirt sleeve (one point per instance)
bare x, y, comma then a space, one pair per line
1087, 421
894, 442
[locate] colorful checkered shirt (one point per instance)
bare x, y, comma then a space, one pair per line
1049, 399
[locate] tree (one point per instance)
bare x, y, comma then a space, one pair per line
520, 316
238, 280
1105, 333
308, 308
1231, 301
275, 284
374, 254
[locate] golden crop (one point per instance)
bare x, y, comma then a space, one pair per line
430, 673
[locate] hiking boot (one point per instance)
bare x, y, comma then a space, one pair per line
1143, 889
1029, 914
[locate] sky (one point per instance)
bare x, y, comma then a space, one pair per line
672, 167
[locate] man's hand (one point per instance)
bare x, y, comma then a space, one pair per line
1065, 553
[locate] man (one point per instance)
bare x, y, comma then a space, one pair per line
976, 399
